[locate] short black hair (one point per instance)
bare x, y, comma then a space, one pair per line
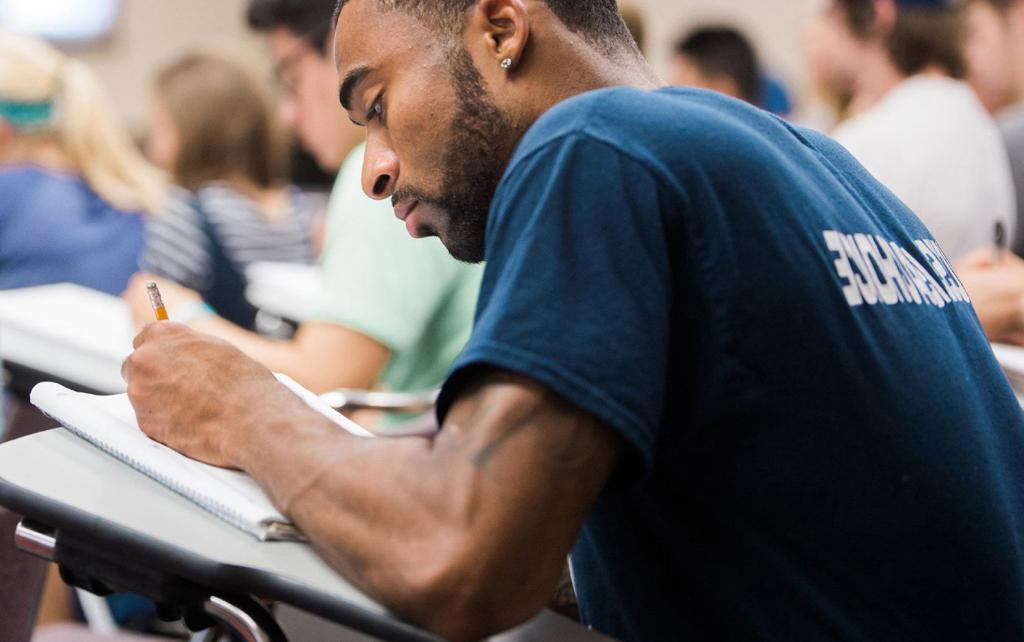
923, 36
307, 19
597, 21
724, 51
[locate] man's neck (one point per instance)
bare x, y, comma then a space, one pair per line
877, 77
573, 67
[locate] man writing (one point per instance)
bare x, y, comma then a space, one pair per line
712, 357
393, 313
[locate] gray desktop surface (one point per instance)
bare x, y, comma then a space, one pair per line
66, 483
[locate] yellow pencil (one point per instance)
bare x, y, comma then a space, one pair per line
156, 301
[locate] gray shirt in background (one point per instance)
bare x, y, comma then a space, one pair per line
1011, 126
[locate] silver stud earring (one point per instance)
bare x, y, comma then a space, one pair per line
506, 64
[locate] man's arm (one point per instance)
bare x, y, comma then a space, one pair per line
465, 534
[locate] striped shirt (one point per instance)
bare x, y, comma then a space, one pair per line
178, 248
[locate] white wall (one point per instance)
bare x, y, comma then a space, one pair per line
152, 32
773, 25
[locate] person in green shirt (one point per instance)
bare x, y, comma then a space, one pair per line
411, 297
394, 313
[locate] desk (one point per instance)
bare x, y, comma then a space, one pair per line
65, 483
288, 290
65, 332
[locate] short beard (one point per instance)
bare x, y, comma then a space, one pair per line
481, 142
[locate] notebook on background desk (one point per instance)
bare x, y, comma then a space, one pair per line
288, 290
68, 332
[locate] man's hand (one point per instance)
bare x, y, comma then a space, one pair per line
198, 394
997, 292
176, 297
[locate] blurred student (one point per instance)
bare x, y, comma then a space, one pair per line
73, 188
913, 122
720, 59
830, 82
215, 130
74, 198
995, 61
394, 313
723, 59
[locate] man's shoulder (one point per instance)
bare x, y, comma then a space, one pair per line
645, 124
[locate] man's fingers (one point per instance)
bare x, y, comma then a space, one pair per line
157, 330
142, 336
126, 368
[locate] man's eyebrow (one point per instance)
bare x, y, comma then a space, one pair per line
348, 86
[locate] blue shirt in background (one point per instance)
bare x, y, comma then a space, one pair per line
819, 442
54, 228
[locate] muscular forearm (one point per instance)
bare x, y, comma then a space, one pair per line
382, 512
374, 509
464, 534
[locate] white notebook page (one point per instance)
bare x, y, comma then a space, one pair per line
109, 423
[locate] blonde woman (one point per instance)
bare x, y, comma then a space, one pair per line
72, 185
214, 128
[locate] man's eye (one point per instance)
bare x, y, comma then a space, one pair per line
376, 111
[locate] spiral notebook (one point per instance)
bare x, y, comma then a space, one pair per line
108, 422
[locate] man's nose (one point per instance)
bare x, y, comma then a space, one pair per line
380, 168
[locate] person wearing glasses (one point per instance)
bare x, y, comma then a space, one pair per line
393, 313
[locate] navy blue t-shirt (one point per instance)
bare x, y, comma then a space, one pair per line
819, 443
54, 229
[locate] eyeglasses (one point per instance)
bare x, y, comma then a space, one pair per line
283, 68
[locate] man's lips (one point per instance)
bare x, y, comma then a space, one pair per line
404, 209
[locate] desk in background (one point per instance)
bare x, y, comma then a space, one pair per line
67, 333
290, 291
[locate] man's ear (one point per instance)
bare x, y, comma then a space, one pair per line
501, 28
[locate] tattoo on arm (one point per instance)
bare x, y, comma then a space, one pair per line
482, 457
512, 405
